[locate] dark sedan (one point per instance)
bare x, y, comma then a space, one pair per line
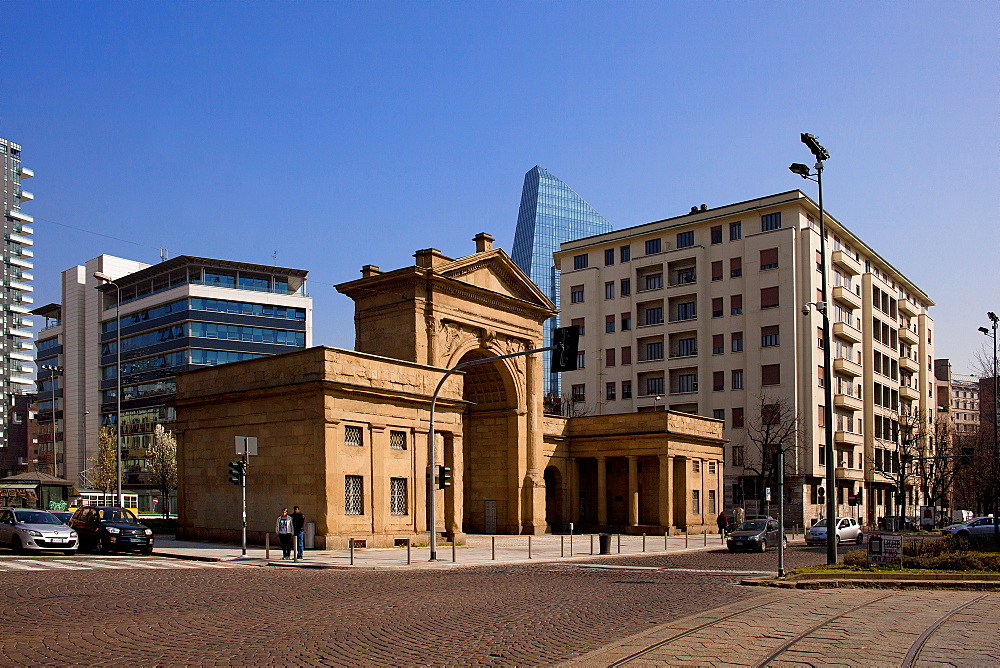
754, 536
111, 529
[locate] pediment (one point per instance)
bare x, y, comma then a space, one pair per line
493, 270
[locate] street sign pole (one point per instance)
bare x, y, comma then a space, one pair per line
243, 488
245, 446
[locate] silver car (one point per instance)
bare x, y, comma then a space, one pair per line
980, 526
25, 529
848, 530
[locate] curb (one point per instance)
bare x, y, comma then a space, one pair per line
881, 583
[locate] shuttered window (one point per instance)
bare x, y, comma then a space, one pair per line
770, 374
769, 297
769, 258
717, 270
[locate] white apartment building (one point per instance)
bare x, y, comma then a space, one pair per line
703, 313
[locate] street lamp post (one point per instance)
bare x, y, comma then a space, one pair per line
822, 154
105, 279
995, 417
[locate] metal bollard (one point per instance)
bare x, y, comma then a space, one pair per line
529, 546
350, 542
562, 546
591, 544
493, 548
643, 542
452, 549
666, 545
686, 535
267, 545
706, 538
571, 539
619, 543
408, 551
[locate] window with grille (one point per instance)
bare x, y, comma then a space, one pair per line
354, 495
581, 261
652, 246
685, 239
770, 221
354, 435
397, 496
397, 440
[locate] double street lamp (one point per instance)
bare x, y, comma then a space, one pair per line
995, 417
822, 154
107, 280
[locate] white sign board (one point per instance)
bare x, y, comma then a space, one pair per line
246, 445
885, 550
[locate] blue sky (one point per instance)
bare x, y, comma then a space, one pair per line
343, 134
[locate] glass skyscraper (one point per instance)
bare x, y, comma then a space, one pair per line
551, 213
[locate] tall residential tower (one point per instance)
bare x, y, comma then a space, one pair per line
551, 213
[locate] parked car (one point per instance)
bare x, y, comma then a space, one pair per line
979, 527
755, 535
848, 530
107, 529
62, 515
25, 529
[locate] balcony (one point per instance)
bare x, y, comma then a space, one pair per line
23, 264
847, 367
847, 401
848, 438
18, 215
25, 229
908, 336
21, 380
844, 473
27, 252
907, 364
908, 393
23, 357
846, 262
845, 331
25, 196
19, 309
24, 287
908, 308
844, 295
25, 173
17, 238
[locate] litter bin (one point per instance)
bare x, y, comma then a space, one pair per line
605, 539
310, 537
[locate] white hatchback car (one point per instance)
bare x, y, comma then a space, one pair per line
26, 529
848, 530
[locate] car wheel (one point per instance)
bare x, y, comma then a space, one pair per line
784, 541
763, 544
70, 553
861, 539
15, 545
103, 545
837, 539
146, 550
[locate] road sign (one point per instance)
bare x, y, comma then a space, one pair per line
246, 445
885, 550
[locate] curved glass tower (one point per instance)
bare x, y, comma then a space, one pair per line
551, 213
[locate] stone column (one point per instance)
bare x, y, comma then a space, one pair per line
602, 491
666, 492
534, 480
633, 491
573, 484
454, 498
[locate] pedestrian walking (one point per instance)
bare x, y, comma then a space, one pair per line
722, 521
299, 528
284, 529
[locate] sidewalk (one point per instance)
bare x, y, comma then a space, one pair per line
477, 550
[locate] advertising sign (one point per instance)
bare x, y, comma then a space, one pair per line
885, 550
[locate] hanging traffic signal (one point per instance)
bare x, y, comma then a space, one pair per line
444, 477
565, 346
237, 473
821, 496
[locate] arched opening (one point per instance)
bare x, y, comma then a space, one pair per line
490, 436
555, 495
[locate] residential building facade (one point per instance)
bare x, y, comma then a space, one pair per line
703, 313
15, 305
551, 213
181, 314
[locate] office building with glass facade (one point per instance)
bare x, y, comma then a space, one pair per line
181, 314
551, 213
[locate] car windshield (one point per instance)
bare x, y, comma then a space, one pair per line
821, 524
753, 526
36, 517
118, 515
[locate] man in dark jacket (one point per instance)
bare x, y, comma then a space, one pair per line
722, 521
299, 530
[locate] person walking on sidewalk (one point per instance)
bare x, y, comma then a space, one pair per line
722, 521
284, 527
299, 528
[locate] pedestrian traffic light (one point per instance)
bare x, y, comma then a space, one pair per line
444, 477
565, 346
236, 473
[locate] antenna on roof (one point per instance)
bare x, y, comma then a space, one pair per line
274, 256
164, 254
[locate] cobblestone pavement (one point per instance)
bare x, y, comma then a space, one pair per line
502, 615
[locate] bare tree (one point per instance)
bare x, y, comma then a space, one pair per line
904, 439
162, 464
938, 468
772, 428
103, 474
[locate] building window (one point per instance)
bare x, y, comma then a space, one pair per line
737, 458
581, 360
654, 351
738, 418
769, 336
609, 391
579, 393
821, 377
768, 259
770, 374
626, 287
695, 466
609, 257
717, 308
711, 467
624, 253
576, 294
822, 420
737, 340
711, 496
687, 382
686, 311
626, 389
717, 235
687, 347
718, 344
717, 270
354, 495
737, 379
654, 315
736, 305
719, 414
685, 239
735, 267
581, 261
397, 496
626, 321
609, 357
652, 246
770, 221
695, 501
609, 290
626, 355
769, 297
653, 281
718, 381
609, 324
397, 440
654, 386
735, 231
354, 435
820, 343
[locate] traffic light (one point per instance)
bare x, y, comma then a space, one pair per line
565, 345
859, 497
237, 473
444, 477
820, 496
